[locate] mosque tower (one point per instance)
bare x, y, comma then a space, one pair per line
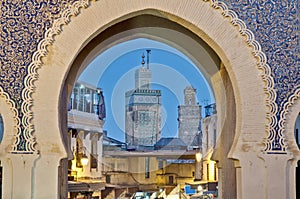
189, 116
143, 109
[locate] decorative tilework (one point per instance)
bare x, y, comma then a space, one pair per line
28, 27
265, 74
275, 25
23, 24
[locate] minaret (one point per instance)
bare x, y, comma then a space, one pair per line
143, 109
189, 116
143, 75
148, 53
189, 96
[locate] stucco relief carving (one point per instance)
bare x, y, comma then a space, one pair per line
290, 101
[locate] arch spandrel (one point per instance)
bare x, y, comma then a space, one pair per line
208, 23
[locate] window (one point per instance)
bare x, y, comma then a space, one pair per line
94, 154
171, 180
215, 172
147, 167
207, 171
87, 100
81, 105
95, 102
75, 98
107, 179
79, 153
160, 164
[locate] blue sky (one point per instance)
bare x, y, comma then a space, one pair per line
113, 71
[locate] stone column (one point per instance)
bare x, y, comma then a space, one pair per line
277, 175
265, 176
251, 176
46, 176
220, 183
20, 172
291, 166
238, 180
63, 178
7, 180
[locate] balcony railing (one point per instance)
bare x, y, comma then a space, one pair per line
210, 110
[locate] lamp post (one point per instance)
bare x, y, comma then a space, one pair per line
84, 160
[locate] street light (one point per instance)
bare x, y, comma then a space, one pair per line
198, 156
84, 160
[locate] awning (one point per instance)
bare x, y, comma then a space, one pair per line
196, 183
75, 186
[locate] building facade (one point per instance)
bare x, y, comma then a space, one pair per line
156, 172
143, 110
209, 138
86, 114
189, 118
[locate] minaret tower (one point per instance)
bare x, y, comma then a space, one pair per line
143, 76
189, 116
143, 109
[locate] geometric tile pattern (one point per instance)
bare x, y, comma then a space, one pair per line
274, 24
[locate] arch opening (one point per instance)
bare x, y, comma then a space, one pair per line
72, 54
208, 62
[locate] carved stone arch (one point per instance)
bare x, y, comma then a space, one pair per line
197, 16
200, 18
293, 110
10, 121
